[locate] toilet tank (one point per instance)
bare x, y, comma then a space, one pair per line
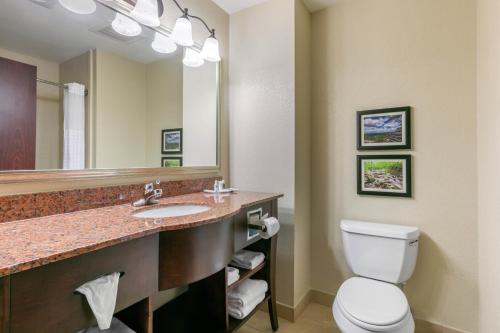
383, 252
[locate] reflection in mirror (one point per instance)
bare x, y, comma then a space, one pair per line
75, 93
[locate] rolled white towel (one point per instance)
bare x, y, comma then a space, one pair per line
248, 259
233, 275
247, 292
241, 312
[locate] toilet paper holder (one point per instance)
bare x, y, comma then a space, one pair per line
121, 275
259, 225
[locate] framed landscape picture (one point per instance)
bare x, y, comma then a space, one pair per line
384, 129
386, 175
171, 162
171, 141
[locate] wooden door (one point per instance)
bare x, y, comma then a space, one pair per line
17, 115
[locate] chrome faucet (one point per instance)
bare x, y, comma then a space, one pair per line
152, 195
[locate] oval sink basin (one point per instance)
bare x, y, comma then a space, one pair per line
171, 211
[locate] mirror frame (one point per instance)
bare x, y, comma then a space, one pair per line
60, 175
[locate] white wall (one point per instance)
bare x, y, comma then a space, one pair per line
488, 113
262, 117
200, 115
384, 53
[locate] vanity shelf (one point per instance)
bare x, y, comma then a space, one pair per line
246, 274
235, 324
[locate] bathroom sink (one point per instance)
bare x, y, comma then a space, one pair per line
171, 211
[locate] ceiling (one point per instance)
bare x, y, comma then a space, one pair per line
234, 6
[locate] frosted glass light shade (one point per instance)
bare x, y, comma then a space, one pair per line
126, 26
163, 44
210, 51
83, 7
193, 58
183, 32
146, 12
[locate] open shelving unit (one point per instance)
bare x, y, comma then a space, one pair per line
246, 274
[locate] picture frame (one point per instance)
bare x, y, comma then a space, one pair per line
385, 175
171, 141
171, 162
384, 129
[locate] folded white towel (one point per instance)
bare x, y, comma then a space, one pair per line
246, 293
241, 312
272, 227
116, 327
248, 259
233, 275
101, 296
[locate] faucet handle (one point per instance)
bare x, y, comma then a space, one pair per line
148, 188
158, 182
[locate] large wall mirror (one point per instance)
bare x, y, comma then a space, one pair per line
77, 95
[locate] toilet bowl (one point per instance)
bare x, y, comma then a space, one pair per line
382, 256
364, 305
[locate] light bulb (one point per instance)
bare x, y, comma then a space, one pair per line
126, 26
146, 12
210, 51
193, 58
83, 7
183, 32
163, 44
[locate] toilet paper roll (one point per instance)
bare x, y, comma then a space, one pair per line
272, 227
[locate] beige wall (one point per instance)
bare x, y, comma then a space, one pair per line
488, 159
47, 110
263, 117
302, 258
164, 103
120, 122
384, 53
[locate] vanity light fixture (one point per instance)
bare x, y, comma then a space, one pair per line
183, 35
83, 7
163, 44
146, 12
193, 58
183, 31
126, 26
210, 51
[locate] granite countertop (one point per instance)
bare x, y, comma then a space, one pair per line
27, 244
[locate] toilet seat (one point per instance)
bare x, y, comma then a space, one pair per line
366, 305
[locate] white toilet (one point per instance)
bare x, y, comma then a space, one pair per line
382, 256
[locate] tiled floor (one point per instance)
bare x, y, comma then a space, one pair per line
315, 319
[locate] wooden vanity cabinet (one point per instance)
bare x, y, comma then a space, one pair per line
189, 255
42, 300
204, 307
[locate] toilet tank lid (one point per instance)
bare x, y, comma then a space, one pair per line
381, 230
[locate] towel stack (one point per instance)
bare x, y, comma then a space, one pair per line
247, 259
246, 297
233, 275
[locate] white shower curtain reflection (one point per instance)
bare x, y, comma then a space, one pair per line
74, 127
